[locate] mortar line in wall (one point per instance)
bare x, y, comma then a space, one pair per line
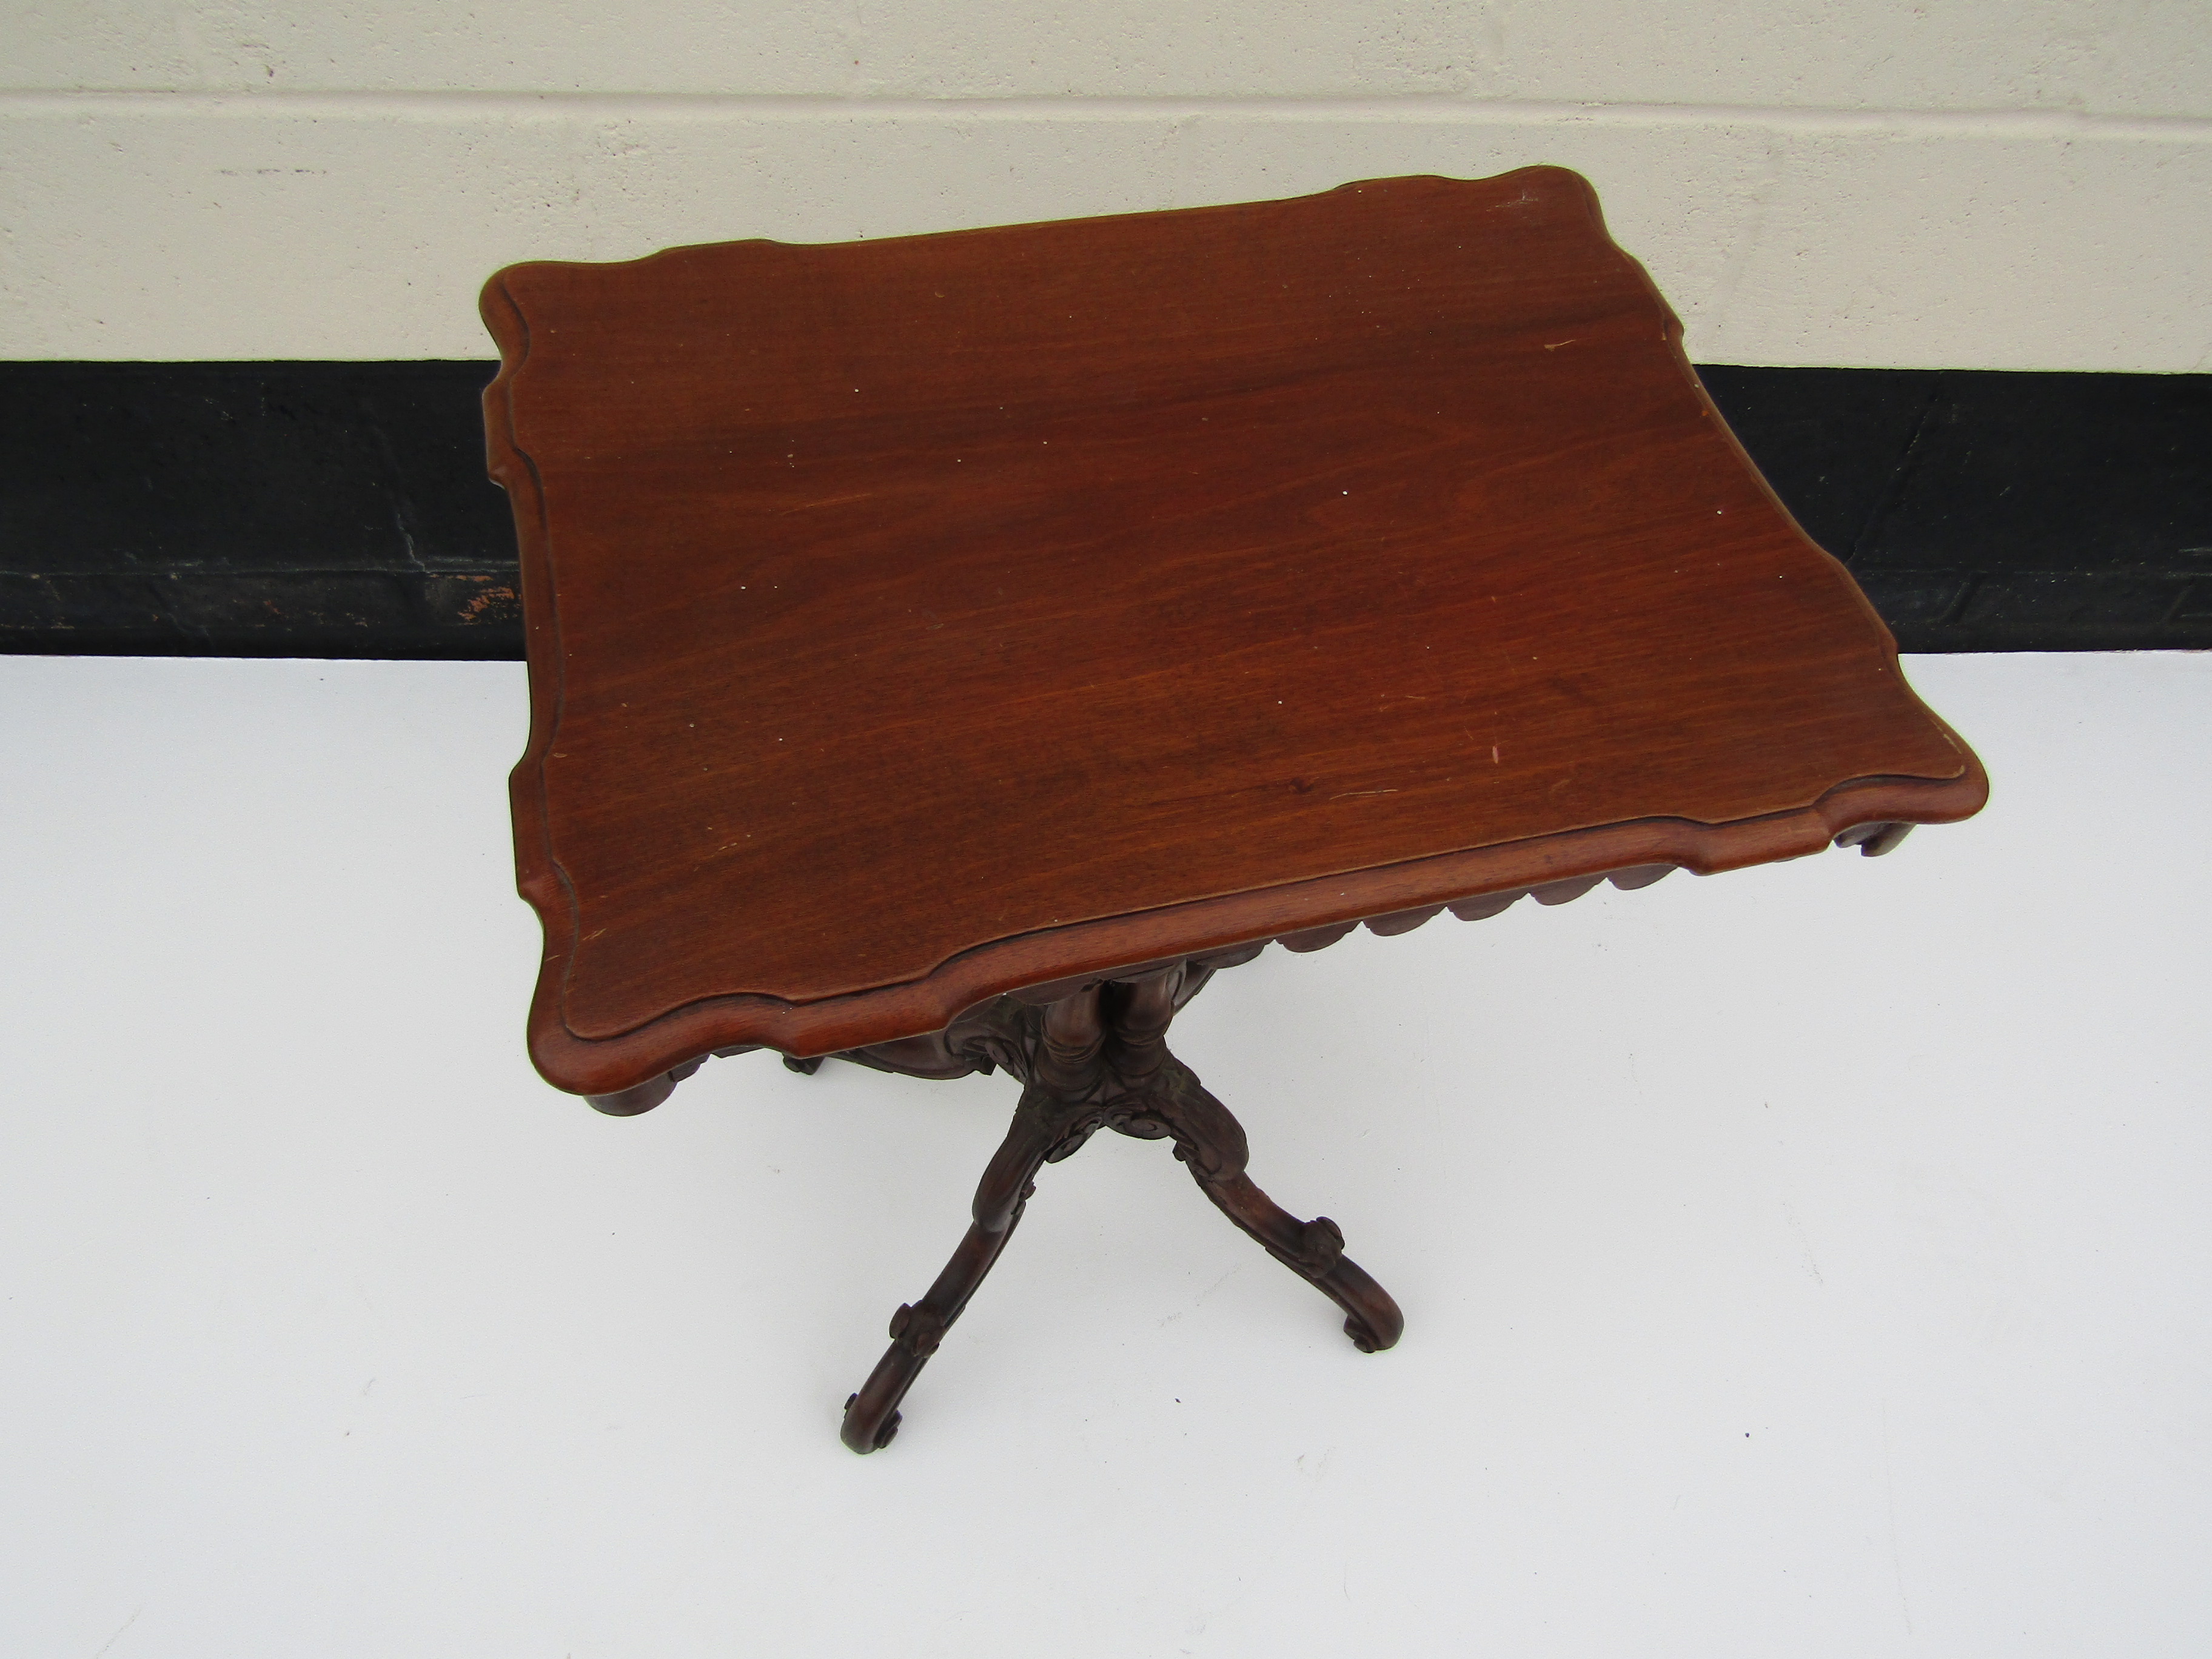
799, 106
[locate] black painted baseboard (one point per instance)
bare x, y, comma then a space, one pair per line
1984, 511
326, 509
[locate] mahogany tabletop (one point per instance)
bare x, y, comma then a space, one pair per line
917, 620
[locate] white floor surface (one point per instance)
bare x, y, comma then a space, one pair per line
1810, 1260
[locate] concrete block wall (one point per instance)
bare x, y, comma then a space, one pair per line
1979, 184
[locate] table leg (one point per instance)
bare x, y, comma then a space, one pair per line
872, 1415
1166, 1098
1314, 1251
1059, 1109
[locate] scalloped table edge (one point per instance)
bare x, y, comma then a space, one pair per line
1097, 949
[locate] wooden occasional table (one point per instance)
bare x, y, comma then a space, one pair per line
947, 652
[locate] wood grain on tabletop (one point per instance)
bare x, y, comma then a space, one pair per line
911, 619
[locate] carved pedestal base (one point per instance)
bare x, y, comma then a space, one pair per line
1091, 1054
1095, 1058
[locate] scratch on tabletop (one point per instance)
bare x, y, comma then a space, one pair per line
1889, 1490
830, 500
118, 1637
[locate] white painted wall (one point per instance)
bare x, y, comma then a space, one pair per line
1977, 184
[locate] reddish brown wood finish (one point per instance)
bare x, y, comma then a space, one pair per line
914, 621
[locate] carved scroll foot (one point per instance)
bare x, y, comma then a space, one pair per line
1314, 1251
872, 1415
1211, 1144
